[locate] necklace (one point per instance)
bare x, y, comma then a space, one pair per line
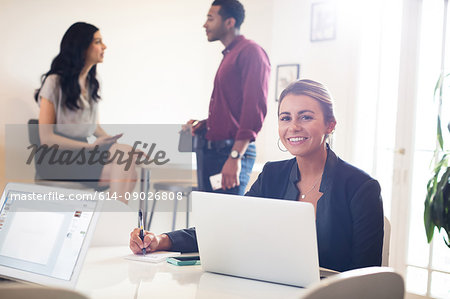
302, 196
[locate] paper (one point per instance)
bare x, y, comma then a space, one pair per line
324, 272
154, 257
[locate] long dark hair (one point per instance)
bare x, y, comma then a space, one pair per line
69, 63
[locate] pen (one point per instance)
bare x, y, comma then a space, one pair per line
141, 232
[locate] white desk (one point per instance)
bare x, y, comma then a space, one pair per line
106, 274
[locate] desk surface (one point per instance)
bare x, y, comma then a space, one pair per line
106, 274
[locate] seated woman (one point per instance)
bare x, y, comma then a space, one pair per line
347, 201
68, 101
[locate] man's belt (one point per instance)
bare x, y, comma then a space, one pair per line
219, 144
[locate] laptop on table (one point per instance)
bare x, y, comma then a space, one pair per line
45, 233
258, 238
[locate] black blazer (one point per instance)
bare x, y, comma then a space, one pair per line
349, 216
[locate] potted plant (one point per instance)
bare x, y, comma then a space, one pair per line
437, 201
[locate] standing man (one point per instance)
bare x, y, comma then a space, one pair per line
238, 103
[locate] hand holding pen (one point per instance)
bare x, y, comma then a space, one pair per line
141, 231
142, 241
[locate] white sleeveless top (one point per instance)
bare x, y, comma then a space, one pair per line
79, 123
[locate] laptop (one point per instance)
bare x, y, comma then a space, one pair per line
258, 238
45, 233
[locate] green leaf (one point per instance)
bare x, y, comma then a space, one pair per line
444, 180
438, 85
443, 163
440, 204
429, 225
437, 210
439, 133
437, 201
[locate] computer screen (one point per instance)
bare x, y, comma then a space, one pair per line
43, 235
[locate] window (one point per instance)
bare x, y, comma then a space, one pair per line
400, 64
428, 266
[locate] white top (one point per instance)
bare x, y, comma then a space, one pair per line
79, 123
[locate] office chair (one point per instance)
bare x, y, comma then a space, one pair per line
33, 137
367, 283
386, 243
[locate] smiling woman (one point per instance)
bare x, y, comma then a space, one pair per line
349, 210
309, 118
305, 120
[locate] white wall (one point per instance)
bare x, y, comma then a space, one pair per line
333, 63
159, 68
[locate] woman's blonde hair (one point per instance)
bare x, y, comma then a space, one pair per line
314, 90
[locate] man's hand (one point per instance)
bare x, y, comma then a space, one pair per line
195, 125
151, 242
230, 173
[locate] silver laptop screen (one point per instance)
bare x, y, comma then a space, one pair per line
43, 236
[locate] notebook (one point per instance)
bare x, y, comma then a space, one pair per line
258, 238
45, 233
154, 257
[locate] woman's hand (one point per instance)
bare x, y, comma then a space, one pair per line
106, 139
151, 242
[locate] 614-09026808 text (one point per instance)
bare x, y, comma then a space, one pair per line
140, 196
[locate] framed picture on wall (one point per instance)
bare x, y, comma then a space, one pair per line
323, 21
286, 73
